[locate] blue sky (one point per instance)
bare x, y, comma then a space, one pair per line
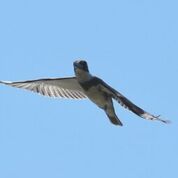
132, 45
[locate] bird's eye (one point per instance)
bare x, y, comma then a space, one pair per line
83, 63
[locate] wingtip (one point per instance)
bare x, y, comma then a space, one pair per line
152, 117
5, 82
162, 120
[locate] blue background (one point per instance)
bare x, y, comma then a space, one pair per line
132, 45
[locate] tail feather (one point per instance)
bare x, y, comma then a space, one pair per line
115, 120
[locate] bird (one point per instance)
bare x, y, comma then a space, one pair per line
84, 85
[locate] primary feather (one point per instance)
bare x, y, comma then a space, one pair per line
58, 87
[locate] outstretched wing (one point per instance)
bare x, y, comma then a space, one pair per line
52, 87
126, 103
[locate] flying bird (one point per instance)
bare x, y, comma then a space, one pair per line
84, 85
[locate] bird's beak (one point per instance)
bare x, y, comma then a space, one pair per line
77, 65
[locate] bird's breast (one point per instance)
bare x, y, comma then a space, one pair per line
97, 96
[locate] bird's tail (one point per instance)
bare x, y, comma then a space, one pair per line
114, 119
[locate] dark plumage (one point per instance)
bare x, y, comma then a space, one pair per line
84, 85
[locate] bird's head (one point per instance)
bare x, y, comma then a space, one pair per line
81, 70
81, 65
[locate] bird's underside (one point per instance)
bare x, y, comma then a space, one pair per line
70, 88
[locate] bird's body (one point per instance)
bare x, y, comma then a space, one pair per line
95, 92
84, 85
96, 96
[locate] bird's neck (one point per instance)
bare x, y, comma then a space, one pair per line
83, 76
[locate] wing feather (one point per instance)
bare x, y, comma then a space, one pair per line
126, 103
52, 87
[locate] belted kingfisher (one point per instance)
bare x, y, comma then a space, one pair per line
84, 85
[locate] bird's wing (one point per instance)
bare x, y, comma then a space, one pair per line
126, 103
52, 87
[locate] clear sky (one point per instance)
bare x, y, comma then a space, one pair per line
132, 45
